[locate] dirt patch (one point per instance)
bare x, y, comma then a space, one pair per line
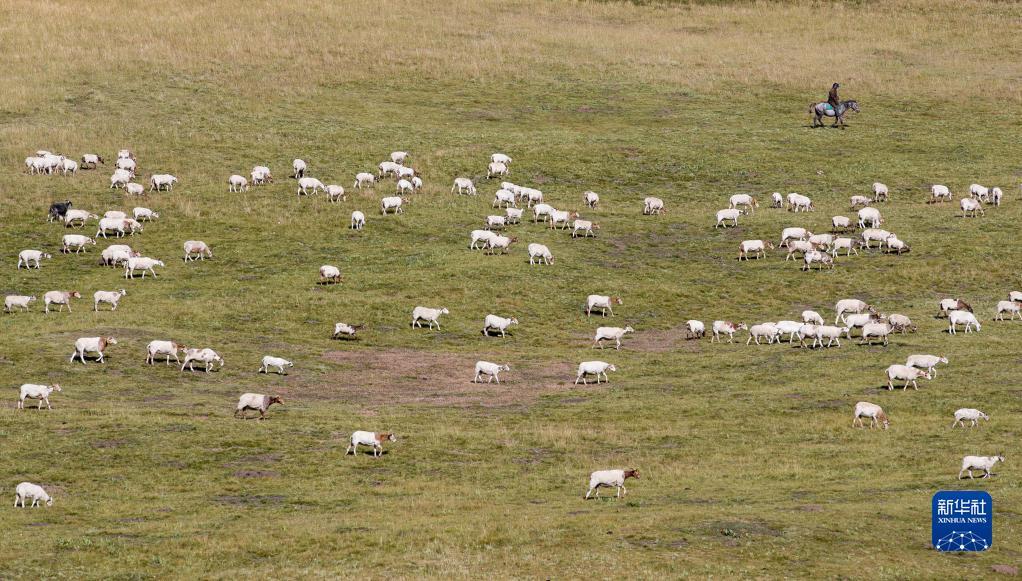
662, 340
412, 376
739, 529
251, 500
256, 459
1005, 569
109, 443
256, 474
811, 508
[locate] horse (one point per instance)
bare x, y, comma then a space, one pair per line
821, 110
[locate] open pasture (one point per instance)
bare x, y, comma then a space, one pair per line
749, 462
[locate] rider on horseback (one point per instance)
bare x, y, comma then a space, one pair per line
832, 98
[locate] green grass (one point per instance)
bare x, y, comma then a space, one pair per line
749, 464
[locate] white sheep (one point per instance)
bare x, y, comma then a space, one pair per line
808, 332
540, 254
392, 203
880, 192
299, 166
562, 218
75, 241
841, 223
926, 362
907, 374
358, 220
939, 193
60, 298
776, 200
116, 254
490, 370
21, 301
33, 492
329, 274
756, 247
416, 183
591, 199
875, 413
585, 226
335, 192
830, 333
793, 234
167, 348
972, 206
279, 362
984, 463
497, 323
205, 356
822, 241
852, 306
237, 183
346, 330
798, 247
603, 303
817, 257
500, 158
870, 217
769, 331
653, 205
27, 257
971, 414
494, 222
726, 328
261, 175
39, 392
514, 215
133, 189
398, 156
371, 439
196, 250
1010, 307
143, 263
966, 318
995, 196
696, 329
541, 211
610, 479
120, 226
901, 323
597, 368
501, 243
533, 196
503, 198
140, 214
306, 184
109, 297
89, 160
789, 328
255, 401
119, 178
812, 317
404, 186
483, 236
800, 203
463, 186
743, 200
615, 333
162, 181
431, 316
979, 192
405, 172
877, 330
91, 345
69, 166
846, 244
74, 217
127, 164
874, 234
362, 179
496, 169
724, 216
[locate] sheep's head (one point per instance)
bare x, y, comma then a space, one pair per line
514, 321
629, 330
75, 294
633, 473
505, 368
1000, 457
49, 501
110, 340
389, 437
47, 255
56, 387
769, 245
123, 292
444, 311
612, 367
943, 360
617, 300
275, 399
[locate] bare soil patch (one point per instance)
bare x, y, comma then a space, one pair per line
422, 377
660, 341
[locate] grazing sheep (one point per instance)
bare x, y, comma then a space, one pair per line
596, 368
69, 166
901, 323
91, 345
494, 222
972, 206
22, 301
727, 328
532, 196
995, 196
372, 439
603, 303
237, 183
724, 216
119, 178
815, 256
793, 234
875, 413
496, 169
279, 362
255, 401
335, 192
329, 274
584, 226
844, 243
859, 320
907, 374
979, 192
939, 193
345, 330
841, 223
500, 158
870, 234
133, 189
500, 242
591, 199
299, 166
948, 305
431, 316
830, 333
166, 348
120, 226
490, 370
405, 172
813, 318
503, 198
39, 392
1008, 307
880, 192
362, 179
1015, 296
776, 200
769, 331
615, 333
33, 492
261, 175
483, 236
89, 160
514, 215
140, 214
743, 200
966, 318
808, 332
76, 241
358, 220
27, 257
609, 479
789, 328
162, 181
205, 356
970, 414
822, 241
541, 211
926, 362
877, 330
463, 186
116, 254
74, 217
392, 203
109, 297
496, 323
652, 205
127, 164
197, 249
800, 203
799, 246
562, 218
305, 184
143, 263
125, 154
60, 298
852, 306
984, 463
870, 218
696, 329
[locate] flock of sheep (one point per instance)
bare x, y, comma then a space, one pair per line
820, 249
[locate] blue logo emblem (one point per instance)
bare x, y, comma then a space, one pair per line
962, 520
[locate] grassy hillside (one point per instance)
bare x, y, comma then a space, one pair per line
749, 463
